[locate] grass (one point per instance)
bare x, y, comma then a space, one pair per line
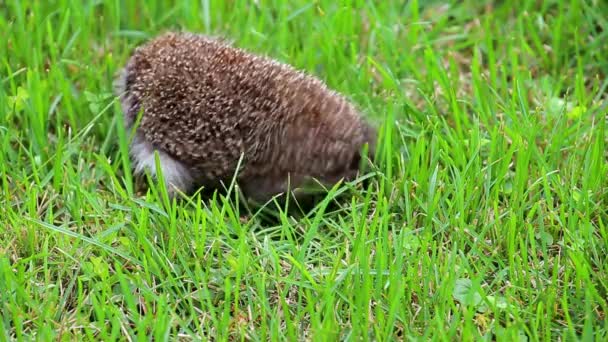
486, 217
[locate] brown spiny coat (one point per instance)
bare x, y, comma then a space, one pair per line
206, 103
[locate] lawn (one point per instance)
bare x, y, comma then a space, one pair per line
485, 217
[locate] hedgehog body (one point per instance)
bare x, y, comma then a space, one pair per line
208, 107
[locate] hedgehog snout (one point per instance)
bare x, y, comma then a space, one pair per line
350, 168
367, 146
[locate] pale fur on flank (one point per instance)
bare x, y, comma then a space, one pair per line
175, 174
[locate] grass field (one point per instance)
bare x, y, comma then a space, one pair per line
486, 217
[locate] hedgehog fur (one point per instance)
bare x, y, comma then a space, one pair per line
207, 107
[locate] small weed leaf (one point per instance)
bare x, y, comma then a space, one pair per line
576, 112
96, 101
522, 336
412, 244
557, 106
545, 237
124, 241
578, 195
493, 302
17, 102
507, 188
99, 267
464, 293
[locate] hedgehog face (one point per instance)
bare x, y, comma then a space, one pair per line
348, 172
351, 169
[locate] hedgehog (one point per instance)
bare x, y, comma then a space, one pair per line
216, 113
